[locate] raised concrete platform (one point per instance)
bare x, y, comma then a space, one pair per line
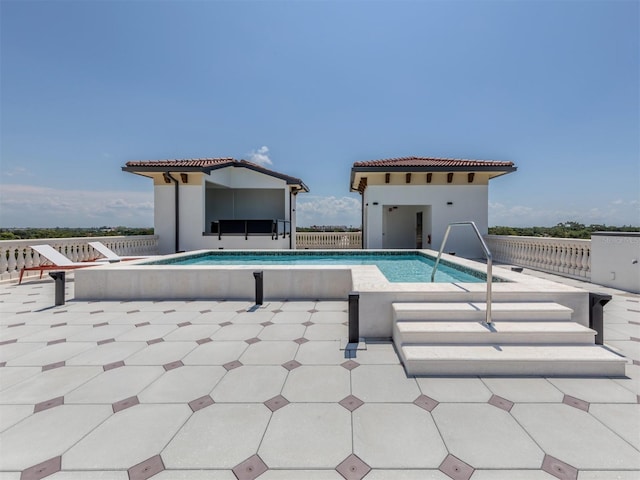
527, 338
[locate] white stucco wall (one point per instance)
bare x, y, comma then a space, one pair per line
469, 202
612, 260
164, 218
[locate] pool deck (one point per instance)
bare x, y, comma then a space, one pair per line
223, 390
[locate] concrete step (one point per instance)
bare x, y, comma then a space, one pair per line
499, 332
553, 360
476, 311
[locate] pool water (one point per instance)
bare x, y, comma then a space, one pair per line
396, 267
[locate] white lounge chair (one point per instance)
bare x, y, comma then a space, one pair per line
56, 261
110, 255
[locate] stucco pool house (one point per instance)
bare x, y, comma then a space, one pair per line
220, 203
408, 202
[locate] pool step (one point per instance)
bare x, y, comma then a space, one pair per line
526, 338
468, 311
479, 333
582, 360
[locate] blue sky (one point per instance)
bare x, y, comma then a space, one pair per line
309, 87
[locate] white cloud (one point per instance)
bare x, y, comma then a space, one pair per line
17, 171
319, 210
32, 206
260, 156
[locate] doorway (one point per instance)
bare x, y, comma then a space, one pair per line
419, 230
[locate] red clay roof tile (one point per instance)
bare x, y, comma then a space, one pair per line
431, 162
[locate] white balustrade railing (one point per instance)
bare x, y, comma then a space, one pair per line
328, 240
16, 254
567, 257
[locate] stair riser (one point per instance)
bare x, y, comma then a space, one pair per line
490, 338
525, 368
478, 316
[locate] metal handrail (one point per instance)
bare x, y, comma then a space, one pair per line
487, 254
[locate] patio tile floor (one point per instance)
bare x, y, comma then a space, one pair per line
224, 390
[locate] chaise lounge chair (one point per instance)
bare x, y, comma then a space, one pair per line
110, 255
57, 261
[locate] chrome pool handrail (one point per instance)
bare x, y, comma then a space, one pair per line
487, 254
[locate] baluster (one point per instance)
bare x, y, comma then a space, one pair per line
574, 258
586, 262
12, 261
579, 266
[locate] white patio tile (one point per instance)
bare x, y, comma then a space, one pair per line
49, 354
327, 332
628, 348
115, 385
10, 376
378, 354
195, 475
213, 318
307, 436
48, 434
321, 353
485, 436
50, 384
331, 305
575, 437
215, 353
317, 383
9, 333
282, 332
296, 317
527, 390
628, 329
594, 390
12, 414
237, 332
396, 436
454, 389
90, 475
191, 333
107, 353
269, 353
381, 474
297, 306
95, 334
146, 332
16, 350
632, 382
231, 306
218, 436
173, 318
127, 438
383, 383
301, 474
607, 475
250, 383
329, 317
253, 317
161, 353
64, 331
182, 384
624, 419
512, 475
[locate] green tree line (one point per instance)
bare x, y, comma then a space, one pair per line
561, 230
30, 233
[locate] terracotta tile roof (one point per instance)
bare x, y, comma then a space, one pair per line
431, 162
206, 165
190, 162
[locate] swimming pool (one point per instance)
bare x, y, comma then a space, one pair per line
397, 267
